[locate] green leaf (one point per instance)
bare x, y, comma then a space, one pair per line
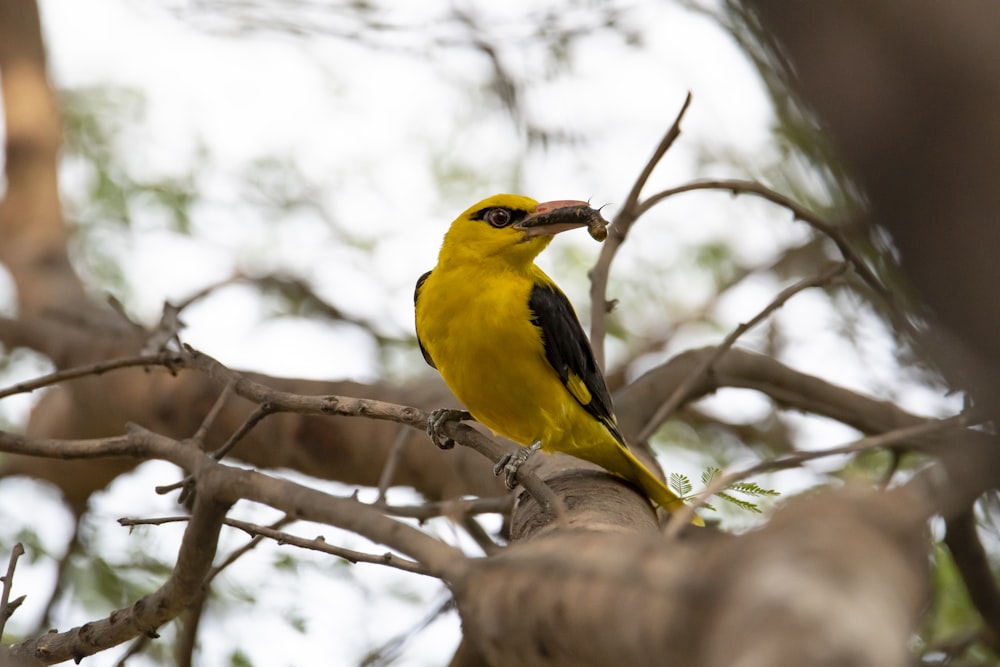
681, 484
752, 489
742, 504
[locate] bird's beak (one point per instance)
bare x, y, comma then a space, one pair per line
552, 217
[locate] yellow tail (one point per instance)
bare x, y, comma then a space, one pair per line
659, 492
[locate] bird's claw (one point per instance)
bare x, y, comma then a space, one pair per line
436, 422
509, 464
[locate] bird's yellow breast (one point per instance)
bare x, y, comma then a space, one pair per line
475, 323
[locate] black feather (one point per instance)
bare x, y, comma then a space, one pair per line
568, 351
416, 295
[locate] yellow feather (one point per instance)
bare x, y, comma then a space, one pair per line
578, 388
474, 320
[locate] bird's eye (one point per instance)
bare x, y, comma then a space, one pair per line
498, 217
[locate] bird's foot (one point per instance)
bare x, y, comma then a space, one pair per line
436, 422
510, 463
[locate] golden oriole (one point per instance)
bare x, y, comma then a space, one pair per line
508, 343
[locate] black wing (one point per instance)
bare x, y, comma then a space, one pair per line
568, 352
416, 295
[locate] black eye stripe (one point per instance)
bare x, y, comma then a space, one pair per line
490, 212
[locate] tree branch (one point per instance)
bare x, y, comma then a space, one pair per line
833, 232
170, 360
680, 519
7, 608
749, 370
618, 230
32, 234
977, 574
677, 396
194, 559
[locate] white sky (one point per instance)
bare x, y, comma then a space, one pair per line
368, 125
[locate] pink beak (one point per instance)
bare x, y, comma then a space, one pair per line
551, 217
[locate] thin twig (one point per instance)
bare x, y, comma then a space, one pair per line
629, 211
236, 554
255, 417
461, 510
213, 414
479, 535
392, 462
135, 648
73, 549
206, 291
833, 232
682, 389
680, 519
315, 544
261, 411
319, 544
620, 226
8, 607
452, 507
170, 360
389, 652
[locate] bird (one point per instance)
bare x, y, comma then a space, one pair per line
508, 343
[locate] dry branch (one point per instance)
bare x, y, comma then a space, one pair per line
617, 233
677, 396
194, 559
8, 606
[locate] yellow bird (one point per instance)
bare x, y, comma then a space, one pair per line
509, 345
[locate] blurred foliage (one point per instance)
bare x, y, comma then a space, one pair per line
240, 659
952, 633
549, 35
99, 124
111, 191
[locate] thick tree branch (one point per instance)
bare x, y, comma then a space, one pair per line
791, 593
32, 233
974, 566
749, 370
233, 483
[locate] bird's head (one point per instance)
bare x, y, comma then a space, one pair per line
510, 227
